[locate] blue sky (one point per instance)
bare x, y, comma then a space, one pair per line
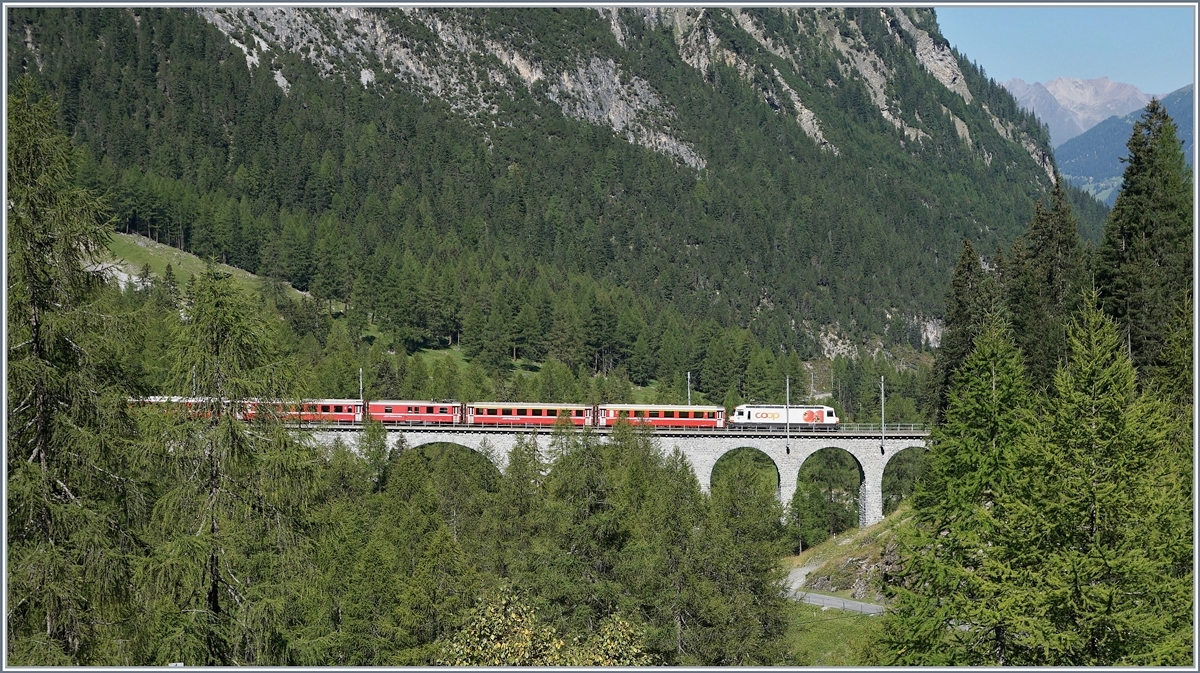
1149, 47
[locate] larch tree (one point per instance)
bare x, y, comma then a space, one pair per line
664, 563
744, 539
950, 607
72, 504
1100, 522
234, 495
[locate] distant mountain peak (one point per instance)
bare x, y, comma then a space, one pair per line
1078, 104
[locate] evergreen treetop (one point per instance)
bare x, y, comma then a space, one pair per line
1144, 265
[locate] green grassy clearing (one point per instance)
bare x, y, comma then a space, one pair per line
132, 252
828, 637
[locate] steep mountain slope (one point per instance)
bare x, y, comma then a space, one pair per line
808, 174
1092, 160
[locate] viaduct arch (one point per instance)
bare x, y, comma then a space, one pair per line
701, 448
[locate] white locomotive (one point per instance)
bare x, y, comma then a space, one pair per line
778, 416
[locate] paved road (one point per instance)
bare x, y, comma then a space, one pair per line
839, 603
796, 582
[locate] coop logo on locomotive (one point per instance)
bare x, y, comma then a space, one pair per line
766, 414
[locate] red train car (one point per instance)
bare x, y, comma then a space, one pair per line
323, 411
526, 413
663, 415
415, 412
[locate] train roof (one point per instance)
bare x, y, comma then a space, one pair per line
782, 406
531, 405
414, 402
662, 407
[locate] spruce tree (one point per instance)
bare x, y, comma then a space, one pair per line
973, 294
1144, 264
1041, 280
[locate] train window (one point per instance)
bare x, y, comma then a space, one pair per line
638, 413
429, 410
653, 414
712, 414
521, 412
669, 414
337, 408
387, 410
441, 410
538, 412
325, 407
579, 412
491, 412
506, 412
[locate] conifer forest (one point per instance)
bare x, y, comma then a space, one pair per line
759, 216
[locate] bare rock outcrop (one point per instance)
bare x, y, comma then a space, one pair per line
936, 58
360, 41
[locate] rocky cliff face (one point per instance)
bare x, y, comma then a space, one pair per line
444, 54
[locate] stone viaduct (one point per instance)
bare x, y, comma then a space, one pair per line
701, 448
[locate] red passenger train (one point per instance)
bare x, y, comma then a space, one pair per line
483, 414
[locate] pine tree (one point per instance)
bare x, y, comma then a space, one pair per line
1144, 264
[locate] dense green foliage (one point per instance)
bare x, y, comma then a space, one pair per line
72, 498
1054, 525
1059, 538
154, 534
562, 263
1043, 280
